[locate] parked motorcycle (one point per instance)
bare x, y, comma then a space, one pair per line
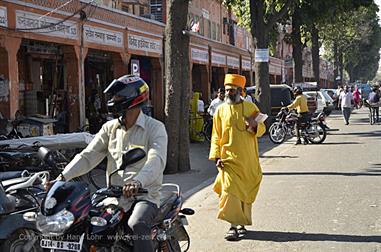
284, 126
73, 220
19, 203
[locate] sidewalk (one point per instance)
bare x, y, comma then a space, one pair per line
203, 171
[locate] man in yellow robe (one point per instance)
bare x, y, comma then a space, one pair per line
234, 147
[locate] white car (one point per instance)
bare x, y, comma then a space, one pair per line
324, 101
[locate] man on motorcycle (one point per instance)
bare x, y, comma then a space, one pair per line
300, 104
131, 129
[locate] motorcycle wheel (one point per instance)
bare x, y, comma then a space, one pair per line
277, 133
18, 240
316, 134
171, 245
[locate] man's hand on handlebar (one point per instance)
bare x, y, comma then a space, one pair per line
49, 183
131, 188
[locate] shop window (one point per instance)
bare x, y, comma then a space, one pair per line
214, 31
218, 32
125, 8
209, 29
202, 25
141, 10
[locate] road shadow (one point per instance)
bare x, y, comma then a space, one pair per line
334, 143
295, 236
349, 174
280, 156
376, 133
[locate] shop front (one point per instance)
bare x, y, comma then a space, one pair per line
276, 71
247, 71
233, 64
146, 54
200, 72
219, 68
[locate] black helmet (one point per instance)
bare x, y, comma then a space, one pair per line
297, 90
132, 91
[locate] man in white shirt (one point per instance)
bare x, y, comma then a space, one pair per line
217, 101
246, 97
346, 99
132, 129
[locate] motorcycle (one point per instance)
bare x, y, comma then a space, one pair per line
73, 220
20, 198
313, 130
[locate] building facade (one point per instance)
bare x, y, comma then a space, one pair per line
59, 56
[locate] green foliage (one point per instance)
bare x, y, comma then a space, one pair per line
358, 37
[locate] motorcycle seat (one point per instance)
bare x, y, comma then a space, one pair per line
166, 203
10, 175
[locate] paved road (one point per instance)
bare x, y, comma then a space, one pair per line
313, 198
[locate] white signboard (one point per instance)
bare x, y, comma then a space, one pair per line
27, 20
3, 16
141, 43
262, 55
233, 62
246, 64
200, 55
218, 58
135, 67
102, 36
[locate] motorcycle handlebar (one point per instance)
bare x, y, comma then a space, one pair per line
117, 191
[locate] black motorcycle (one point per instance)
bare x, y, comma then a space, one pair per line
20, 197
73, 220
312, 130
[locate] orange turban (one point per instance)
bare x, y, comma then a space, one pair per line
235, 80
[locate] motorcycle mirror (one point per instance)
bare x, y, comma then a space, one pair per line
130, 157
46, 156
44, 153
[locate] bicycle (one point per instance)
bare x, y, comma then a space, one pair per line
206, 131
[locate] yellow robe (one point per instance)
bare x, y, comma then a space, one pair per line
238, 183
197, 121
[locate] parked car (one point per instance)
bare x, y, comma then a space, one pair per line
324, 101
332, 93
281, 96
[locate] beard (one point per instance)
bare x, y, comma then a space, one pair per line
233, 98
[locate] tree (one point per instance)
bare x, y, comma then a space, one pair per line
177, 84
263, 16
351, 37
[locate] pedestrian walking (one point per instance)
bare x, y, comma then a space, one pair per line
346, 99
217, 101
374, 100
234, 148
357, 98
245, 96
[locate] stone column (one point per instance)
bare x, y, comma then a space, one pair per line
76, 90
12, 46
120, 64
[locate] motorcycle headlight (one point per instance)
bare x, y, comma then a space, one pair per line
55, 224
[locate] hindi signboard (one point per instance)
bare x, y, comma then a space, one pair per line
141, 43
200, 55
46, 25
3, 16
103, 36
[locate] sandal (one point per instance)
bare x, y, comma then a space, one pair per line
232, 234
241, 230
